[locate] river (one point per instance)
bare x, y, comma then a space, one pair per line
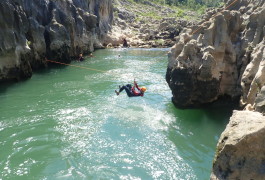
66, 122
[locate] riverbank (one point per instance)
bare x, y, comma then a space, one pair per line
147, 24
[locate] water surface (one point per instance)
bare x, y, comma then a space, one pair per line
67, 123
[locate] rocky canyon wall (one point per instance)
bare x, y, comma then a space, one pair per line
223, 56
56, 29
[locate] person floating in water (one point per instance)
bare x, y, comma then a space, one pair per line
80, 58
125, 44
131, 91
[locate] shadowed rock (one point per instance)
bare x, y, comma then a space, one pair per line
58, 30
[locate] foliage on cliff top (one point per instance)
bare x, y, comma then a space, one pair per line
186, 3
190, 10
156, 10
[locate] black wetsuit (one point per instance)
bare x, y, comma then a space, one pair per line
81, 59
131, 92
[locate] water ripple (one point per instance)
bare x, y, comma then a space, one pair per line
67, 123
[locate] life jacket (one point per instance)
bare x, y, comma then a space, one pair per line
137, 93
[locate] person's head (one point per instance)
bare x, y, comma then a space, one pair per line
80, 54
143, 89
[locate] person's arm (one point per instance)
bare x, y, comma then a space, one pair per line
136, 85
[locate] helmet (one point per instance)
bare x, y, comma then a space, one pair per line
143, 89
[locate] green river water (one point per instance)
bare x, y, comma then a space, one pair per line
67, 123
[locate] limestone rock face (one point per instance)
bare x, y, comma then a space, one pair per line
222, 56
241, 148
58, 30
260, 101
253, 79
103, 10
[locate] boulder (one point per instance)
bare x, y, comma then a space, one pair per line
240, 150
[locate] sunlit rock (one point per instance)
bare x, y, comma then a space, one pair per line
240, 151
223, 56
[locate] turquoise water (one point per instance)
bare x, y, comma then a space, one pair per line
67, 123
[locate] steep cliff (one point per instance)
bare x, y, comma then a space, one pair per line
33, 30
223, 56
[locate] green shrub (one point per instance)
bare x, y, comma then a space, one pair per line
160, 41
180, 13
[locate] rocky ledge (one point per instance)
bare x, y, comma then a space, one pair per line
58, 30
240, 151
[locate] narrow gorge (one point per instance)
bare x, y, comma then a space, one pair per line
217, 61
